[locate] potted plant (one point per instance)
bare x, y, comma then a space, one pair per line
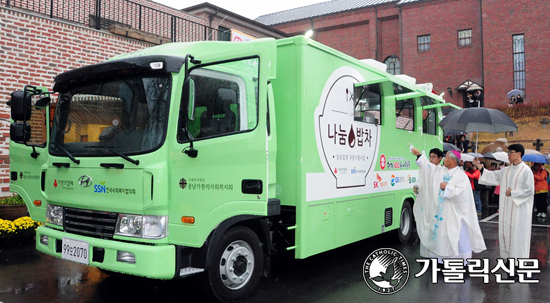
21, 231
12, 207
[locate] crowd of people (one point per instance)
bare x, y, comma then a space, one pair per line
449, 203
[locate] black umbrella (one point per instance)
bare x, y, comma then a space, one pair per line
478, 119
448, 146
489, 155
452, 132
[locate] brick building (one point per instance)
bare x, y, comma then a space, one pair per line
40, 39
498, 45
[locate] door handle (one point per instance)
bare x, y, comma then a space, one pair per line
252, 186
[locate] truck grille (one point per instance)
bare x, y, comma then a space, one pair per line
92, 223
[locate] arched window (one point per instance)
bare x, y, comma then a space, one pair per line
392, 65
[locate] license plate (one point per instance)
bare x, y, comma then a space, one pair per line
75, 250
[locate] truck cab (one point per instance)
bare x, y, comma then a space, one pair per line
152, 156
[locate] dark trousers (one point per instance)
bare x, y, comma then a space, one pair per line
540, 202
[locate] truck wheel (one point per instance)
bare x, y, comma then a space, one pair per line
236, 266
406, 223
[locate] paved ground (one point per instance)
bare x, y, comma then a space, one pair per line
336, 276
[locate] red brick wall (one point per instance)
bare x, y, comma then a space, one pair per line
353, 32
488, 61
445, 64
388, 37
33, 50
501, 20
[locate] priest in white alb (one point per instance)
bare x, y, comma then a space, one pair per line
517, 188
444, 210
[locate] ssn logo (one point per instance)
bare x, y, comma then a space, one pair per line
100, 188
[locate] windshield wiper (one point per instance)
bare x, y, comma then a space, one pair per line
67, 153
114, 151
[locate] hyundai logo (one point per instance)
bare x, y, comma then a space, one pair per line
85, 181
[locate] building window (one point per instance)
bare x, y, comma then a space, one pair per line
392, 65
423, 43
224, 34
518, 49
465, 37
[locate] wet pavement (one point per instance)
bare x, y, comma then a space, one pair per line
336, 276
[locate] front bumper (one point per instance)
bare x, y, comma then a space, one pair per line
152, 261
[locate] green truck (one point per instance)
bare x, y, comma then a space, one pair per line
209, 157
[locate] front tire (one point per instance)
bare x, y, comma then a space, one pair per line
406, 223
236, 266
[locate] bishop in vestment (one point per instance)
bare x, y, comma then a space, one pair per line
445, 212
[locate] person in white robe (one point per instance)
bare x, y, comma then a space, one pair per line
444, 210
517, 188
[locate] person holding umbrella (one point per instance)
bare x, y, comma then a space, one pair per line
515, 203
511, 95
541, 188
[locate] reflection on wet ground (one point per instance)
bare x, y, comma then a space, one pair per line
335, 276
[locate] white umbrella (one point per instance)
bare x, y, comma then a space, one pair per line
474, 87
514, 93
475, 155
501, 156
532, 152
466, 157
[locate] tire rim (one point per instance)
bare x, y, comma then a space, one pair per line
236, 265
405, 222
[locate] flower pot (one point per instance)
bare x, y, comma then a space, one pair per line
12, 212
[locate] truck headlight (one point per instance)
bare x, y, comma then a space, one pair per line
54, 215
149, 227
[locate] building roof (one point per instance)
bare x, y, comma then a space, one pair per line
253, 25
321, 9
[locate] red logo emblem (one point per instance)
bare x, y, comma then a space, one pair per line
55, 183
383, 162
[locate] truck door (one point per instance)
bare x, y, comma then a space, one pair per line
228, 177
27, 161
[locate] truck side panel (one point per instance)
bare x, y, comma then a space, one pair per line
346, 177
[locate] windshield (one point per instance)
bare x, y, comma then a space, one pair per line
125, 115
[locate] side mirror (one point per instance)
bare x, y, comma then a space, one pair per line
42, 103
20, 104
189, 95
19, 132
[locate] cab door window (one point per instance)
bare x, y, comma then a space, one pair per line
226, 99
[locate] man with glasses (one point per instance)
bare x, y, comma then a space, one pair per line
444, 210
436, 155
515, 203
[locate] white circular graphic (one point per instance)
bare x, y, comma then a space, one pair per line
348, 146
386, 271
